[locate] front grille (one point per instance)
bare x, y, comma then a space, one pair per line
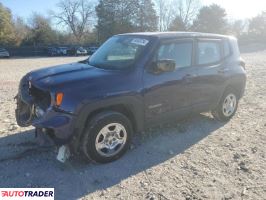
41, 98
31, 94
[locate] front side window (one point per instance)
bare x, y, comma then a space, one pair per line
118, 52
180, 52
209, 52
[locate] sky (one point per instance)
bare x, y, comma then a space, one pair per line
240, 9
236, 9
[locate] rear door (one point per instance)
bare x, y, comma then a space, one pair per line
210, 80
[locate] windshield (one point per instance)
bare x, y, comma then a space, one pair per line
119, 52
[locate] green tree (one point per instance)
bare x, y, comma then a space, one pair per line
257, 26
115, 16
41, 32
7, 33
211, 19
146, 20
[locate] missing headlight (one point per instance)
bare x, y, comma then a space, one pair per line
39, 112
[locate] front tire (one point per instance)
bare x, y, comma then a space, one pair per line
107, 137
227, 106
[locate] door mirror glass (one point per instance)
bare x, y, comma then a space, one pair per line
166, 65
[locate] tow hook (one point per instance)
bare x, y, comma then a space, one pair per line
63, 154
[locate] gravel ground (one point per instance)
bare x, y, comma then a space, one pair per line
198, 158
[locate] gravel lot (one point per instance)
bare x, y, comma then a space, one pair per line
198, 158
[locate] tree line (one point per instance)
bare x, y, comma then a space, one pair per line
88, 21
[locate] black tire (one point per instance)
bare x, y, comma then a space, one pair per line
219, 113
94, 127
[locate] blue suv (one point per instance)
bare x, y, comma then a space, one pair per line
133, 81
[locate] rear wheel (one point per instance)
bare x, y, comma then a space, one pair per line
227, 106
107, 137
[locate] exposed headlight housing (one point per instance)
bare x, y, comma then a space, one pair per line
39, 112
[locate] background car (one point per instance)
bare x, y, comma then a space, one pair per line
52, 51
57, 51
77, 51
4, 53
91, 50
62, 51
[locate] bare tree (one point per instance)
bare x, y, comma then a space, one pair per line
182, 11
238, 27
166, 13
22, 31
187, 11
76, 15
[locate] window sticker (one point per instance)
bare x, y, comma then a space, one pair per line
139, 41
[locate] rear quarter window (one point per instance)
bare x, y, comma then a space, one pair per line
227, 48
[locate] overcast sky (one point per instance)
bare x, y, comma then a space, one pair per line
236, 9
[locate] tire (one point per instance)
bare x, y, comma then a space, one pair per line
227, 106
101, 142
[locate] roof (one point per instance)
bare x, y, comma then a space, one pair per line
176, 34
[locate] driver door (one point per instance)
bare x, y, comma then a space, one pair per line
167, 94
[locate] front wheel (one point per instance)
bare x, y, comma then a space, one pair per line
107, 137
227, 106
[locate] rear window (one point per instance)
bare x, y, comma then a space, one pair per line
209, 52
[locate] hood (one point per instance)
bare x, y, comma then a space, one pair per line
47, 78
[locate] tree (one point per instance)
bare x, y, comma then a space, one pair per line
177, 25
257, 26
211, 19
41, 32
7, 33
237, 28
76, 15
22, 31
187, 11
176, 15
146, 17
166, 13
115, 16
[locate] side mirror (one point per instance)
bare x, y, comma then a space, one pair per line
166, 65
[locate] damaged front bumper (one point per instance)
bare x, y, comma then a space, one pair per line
58, 126
34, 108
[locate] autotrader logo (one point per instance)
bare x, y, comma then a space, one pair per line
27, 193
